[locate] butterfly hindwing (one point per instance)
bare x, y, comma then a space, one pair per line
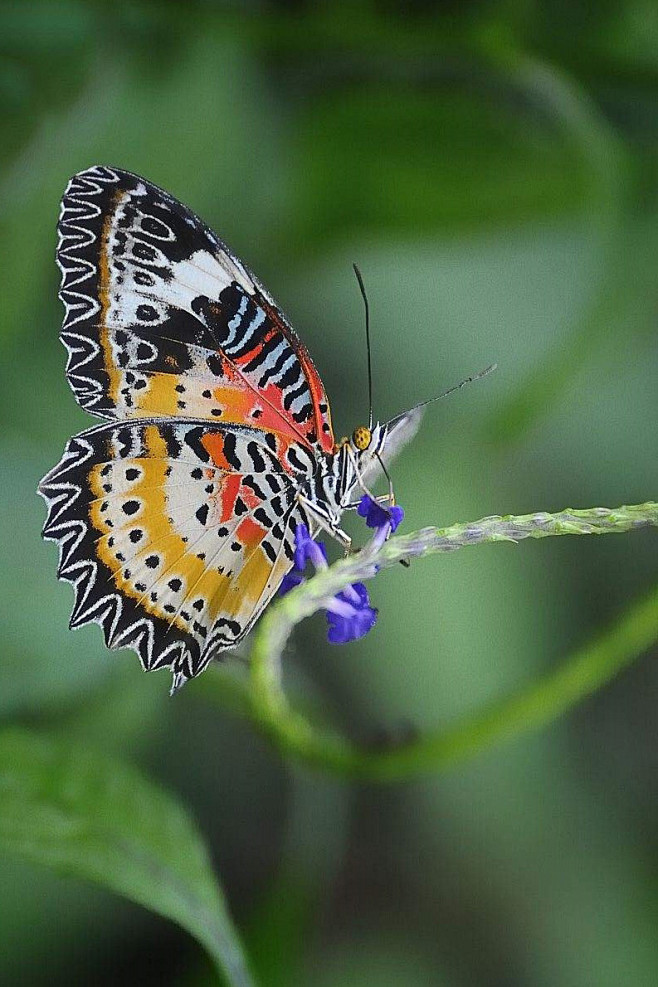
175, 534
163, 320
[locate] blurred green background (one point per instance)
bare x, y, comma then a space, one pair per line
493, 169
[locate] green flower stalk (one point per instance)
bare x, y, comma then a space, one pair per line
263, 700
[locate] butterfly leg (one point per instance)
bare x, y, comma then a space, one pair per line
324, 522
390, 497
357, 472
382, 499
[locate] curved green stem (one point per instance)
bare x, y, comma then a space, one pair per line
265, 702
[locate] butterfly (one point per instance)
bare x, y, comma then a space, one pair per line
175, 518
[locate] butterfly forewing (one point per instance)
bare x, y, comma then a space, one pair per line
163, 320
174, 534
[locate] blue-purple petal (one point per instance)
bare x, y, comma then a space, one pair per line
343, 629
377, 516
361, 592
351, 617
308, 550
290, 581
361, 618
397, 517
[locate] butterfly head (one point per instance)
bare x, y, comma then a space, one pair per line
362, 438
362, 456
365, 442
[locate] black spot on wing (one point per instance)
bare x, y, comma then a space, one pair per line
193, 437
230, 453
268, 346
294, 393
277, 366
214, 364
269, 550
248, 481
256, 457
303, 415
291, 376
299, 459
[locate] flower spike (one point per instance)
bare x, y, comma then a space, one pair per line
349, 614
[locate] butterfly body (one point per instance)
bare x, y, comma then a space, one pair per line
175, 519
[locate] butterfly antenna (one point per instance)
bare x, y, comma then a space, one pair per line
362, 289
458, 387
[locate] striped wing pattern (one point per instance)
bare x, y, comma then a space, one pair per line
175, 519
161, 319
175, 535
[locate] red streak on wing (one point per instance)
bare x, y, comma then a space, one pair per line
324, 439
213, 443
228, 492
250, 498
249, 532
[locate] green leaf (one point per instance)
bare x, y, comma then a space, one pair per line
81, 813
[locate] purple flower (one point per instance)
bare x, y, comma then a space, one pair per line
349, 614
377, 516
289, 581
307, 550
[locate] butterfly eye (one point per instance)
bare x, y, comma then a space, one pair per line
362, 437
